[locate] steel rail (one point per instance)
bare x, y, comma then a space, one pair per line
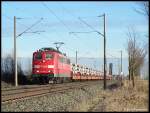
22, 94
7, 97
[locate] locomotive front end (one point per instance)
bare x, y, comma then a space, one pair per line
43, 65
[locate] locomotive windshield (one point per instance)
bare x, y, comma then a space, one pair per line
38, 56
49, 56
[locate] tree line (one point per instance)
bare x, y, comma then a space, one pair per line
8, 71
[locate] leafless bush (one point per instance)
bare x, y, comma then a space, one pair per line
8, 71
144, 8
136, 55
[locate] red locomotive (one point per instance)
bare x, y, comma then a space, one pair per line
50, 65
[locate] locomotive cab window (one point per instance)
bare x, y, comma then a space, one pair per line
49, 56
61, 59
38, 56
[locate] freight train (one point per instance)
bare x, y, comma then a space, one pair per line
51, 66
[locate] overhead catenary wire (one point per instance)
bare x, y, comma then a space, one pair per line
90, 26
8, 17
117, 62
70, 13
11, 19
35, 32
112, 55
83, 32
53, 13
70, 49
30, 27
90, 16
74, 16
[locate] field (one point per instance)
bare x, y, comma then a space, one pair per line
125, 98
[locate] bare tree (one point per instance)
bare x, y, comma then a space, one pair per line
8, 69
136, 55
144, 8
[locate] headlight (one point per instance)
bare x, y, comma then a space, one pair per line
50, 66
36, 66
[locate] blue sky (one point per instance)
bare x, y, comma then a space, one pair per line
119, 15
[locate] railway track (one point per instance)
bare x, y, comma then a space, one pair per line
11, 95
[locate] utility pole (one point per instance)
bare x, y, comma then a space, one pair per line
104, 55
118, 67
15, 53
94, 64
15, 44
121, 74
76, 57
121, 60
104, 36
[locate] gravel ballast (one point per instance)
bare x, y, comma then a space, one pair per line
91, 98
72, 100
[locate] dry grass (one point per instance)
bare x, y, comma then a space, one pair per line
127, 98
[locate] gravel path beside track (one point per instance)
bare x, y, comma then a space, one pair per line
71, 100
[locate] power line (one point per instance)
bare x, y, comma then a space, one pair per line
112, 56
57, 17
70, 13
83, 32
70, 49
54, 30
74, 16
54, 14
116, 63
90, 26
29, 27
90, 16
38, 32
21, 24
11, 19
67, 11
7, 17
86, 24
